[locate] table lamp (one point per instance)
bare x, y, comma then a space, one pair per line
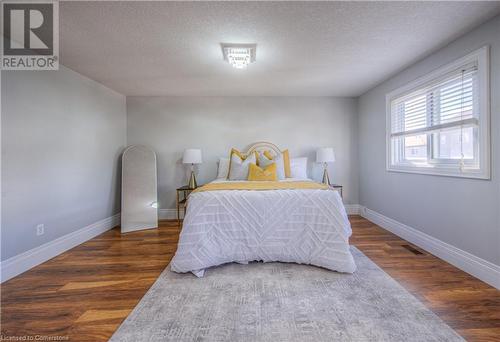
325, 155
192, 156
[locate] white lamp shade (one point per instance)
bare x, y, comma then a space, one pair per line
325, 155
191, 156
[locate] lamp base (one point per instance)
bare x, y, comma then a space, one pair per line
192, 181
326, 178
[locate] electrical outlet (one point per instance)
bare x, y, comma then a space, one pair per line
40, 229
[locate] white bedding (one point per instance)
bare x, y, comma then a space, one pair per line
297, 225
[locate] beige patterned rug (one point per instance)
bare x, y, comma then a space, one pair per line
282, 302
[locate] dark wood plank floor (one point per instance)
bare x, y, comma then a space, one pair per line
85, 293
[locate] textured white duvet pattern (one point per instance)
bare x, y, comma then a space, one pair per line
302, 226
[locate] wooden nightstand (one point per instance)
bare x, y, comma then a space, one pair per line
182, 196
338, 188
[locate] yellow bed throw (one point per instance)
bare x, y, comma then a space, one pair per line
262, 185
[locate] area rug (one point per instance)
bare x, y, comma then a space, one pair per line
282, 302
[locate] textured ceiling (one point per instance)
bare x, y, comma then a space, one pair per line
303, 48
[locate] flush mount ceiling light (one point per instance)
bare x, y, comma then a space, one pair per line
239, 55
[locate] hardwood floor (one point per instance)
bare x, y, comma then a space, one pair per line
85, 293
465, 303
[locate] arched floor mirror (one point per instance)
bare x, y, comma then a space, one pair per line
139, 189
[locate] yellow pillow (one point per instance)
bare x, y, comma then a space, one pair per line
268, 173
286, 161
240, 155
268, 155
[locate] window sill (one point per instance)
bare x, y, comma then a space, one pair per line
441, 171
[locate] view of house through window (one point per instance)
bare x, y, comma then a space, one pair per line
416, 147
455, 144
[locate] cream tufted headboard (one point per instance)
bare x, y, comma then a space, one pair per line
263, 146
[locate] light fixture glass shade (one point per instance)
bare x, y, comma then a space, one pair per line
192, 156
239, 55
325, 155
238, 58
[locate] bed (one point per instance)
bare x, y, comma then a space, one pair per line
293, 220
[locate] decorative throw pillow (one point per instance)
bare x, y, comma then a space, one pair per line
298, 168
267, 173
286, 161
223, 168
266, 159
238, 165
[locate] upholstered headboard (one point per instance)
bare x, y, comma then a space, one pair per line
262, 146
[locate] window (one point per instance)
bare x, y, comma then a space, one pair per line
439, 124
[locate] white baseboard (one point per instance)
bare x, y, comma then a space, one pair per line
168, 214
352, 209
29, 259
476, 266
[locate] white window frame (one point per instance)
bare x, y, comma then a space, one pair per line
445, 168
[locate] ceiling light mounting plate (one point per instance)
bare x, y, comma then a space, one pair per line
239, 55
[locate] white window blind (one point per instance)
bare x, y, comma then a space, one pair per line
447, 103
439, 124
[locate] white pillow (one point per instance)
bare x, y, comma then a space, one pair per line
239, 167
280, 164
298, 168
223, 168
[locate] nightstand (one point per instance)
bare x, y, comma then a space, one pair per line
337, 188
182, 196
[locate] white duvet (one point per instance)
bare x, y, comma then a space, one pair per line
298, 225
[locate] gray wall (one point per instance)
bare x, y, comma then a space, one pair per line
215, 124
462, 212
62, 135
